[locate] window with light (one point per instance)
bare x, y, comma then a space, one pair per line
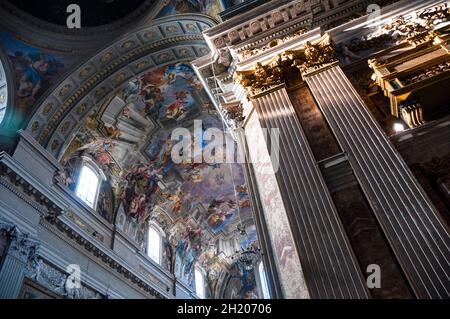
87, 187
199, 283
3, 92
263, 280
154, 245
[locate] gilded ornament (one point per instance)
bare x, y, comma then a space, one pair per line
54, 145
65, 127
311, 56
35, 126
65, 89
48, 108
106, 57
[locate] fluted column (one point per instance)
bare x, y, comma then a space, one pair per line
411, 224
12, 272
327, 260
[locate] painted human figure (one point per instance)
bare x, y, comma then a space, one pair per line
32, 78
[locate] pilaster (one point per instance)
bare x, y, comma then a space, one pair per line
20, 250
412, 226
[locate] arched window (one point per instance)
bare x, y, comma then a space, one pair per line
154, 244
199, 283
263, 281
88, 186
3, 92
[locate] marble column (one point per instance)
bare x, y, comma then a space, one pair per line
12, 272
327, 260
410, 222
267, 257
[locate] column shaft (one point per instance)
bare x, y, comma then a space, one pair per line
11, 277
408, 218
330, 268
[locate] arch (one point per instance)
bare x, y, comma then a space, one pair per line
165, 41
89, 181
7, 90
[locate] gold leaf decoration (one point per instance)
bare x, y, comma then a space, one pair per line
34, 126
81, 109
65, 127
48, 108
127, 44
106, 57
65, 89
54, 145
84, 72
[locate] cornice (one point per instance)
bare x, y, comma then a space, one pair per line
52, 214
27, 190
107, 258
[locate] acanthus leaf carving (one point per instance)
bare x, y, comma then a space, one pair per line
264, 76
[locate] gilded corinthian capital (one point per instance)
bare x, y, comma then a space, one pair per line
310, 57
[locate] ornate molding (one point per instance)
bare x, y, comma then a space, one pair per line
57, 281
247, 53
311, 57
28, 193
103, 256
168, 40
100, 76
21, 245
25, 248
234, 112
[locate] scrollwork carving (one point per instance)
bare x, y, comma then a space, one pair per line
261, 78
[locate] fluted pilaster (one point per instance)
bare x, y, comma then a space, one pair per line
330, 268
418, 237
21, 249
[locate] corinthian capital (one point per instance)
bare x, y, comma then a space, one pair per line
21, 245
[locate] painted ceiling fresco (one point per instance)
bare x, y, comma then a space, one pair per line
127, 134
35, 70
196, 203
169, 94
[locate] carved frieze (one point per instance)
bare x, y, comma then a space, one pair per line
57, 281
245, 54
